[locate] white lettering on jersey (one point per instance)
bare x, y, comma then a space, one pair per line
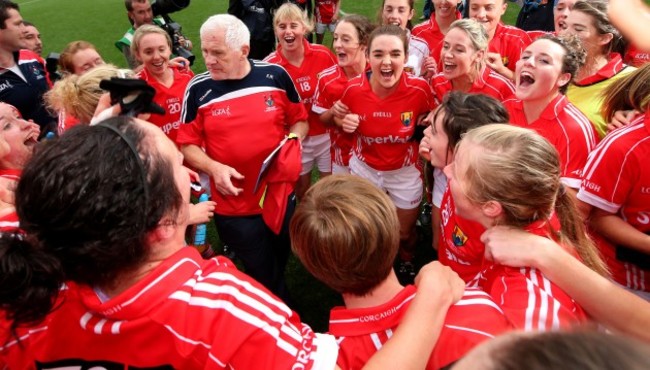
390, 139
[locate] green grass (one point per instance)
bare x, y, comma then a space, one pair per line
102, 22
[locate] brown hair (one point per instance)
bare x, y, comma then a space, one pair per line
380, 13
390, 30
629, 92
574, 55
361, 24
345, 232
597, 10
520, 170
67, 55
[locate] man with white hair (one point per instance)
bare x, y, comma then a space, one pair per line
239, 110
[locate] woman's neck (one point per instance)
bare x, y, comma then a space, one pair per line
381, 294
533, 108
296, 56
352, 71
444, 23
464, 83
380, 91
592, 66
166, 78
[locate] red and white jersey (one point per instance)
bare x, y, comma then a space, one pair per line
535, 34
317, 58
488, 82
429, 31
65, 122
636, 57
324, 10
509, 42
8, 217
459, 245
383, 138
362, 332
331, 84
241, 122
617, 180
169, 98
564, 126
418, 51
188, 313
529, 300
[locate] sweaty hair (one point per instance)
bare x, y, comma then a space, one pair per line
82, 201
389, 30
574, 55
561, 350
345, 232
597, 10
5, 5
67, 55
629, 92
147, 29
520, 170
380, 13
237, 34
463, 112
292, 12
78, 95
361, 24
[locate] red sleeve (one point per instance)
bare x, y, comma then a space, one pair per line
191, 133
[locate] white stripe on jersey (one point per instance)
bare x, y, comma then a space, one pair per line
482, 301
195, 80
528, 325
375, 341
115, 328
240, 93
193, 342
602, 149
461, 328
240, 315
98, 327
84, 319
22, 338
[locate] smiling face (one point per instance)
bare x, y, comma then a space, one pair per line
445, 8
488, 13
290, 33
21, 136
387, 59
154, 52
459, 185
345, 42
396, 12
538, 74
458, 55
561, 12
438, 140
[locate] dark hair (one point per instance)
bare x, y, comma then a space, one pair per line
362, 25
380, 14
597, 10
128, 4
390, 30
5, 5
464, 112
586, 350
28, 24
574, 55
82, 200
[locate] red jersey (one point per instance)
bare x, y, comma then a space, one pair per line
488, 82
241, 121
509, 42
317, 58
188, 313
331, 84
324, 10
529, 300
9, 220
636, 57
617, 181
429, 31
383, 138
459, 245
564, 126
169, 98
66, 122
535, 34
362, 332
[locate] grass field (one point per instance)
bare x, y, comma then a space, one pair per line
102, 22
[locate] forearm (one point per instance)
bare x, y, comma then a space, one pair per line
300, 128
619, 232
327, 117
196, 157
603, 300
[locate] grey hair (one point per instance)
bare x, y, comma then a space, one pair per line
237, 34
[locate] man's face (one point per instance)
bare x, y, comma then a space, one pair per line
141, 14
12, 37
33, 40
221, 61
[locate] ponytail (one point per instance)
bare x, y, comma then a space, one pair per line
573, 232
30, 280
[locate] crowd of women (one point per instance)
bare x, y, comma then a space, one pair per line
529, 146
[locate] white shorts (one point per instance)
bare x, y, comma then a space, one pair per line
321, 27
340, 170
316, 152
439, 186
404, 185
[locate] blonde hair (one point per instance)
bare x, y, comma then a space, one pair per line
520, 170
475, 31
292, 12
147, 29
78, 95
629, 92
